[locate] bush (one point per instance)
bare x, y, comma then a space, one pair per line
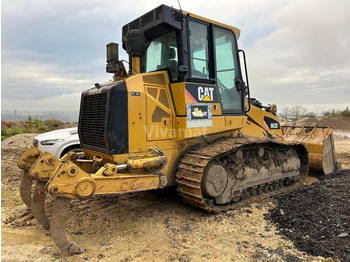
335, 112
9, 128
346, 112
5, 133
310, 114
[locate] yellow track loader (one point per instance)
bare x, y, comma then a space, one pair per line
180, 114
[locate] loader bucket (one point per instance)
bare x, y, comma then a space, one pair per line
319, 143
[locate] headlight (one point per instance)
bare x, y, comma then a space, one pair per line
35, 142
51, 142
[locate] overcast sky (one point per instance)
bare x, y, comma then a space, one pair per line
298, 51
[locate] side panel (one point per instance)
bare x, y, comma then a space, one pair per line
117, 127
151, 112
220, 124
261, 123
159, 113
136, 114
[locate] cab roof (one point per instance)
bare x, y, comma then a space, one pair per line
234, 29
164, 18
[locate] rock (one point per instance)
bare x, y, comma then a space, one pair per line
266, 229
188, 229
45, 250
100, 256
78, 233
344, 234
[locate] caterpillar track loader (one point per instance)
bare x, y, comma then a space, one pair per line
180, 114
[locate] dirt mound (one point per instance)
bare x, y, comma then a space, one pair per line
11, 149
317, 217
308, 121
336, 123
21, 141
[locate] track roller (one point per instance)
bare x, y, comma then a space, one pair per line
59, 217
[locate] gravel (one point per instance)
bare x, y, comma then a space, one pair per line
317, 217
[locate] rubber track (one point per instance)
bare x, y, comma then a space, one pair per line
193, 164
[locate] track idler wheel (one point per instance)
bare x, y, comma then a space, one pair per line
25, 188
38, 204
59, 217
214, 180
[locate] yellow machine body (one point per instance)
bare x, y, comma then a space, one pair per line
157, 114
170, 135
157, 117
181, 116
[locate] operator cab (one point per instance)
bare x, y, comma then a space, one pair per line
192, 49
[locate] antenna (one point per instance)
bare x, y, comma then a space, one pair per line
178, 1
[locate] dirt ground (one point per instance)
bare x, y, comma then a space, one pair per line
147, 226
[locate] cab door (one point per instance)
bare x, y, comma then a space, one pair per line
214, 60
227, 71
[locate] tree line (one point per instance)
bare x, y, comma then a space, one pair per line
298, 111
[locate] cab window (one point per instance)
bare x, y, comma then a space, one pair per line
227, 70
162, 54
199, 54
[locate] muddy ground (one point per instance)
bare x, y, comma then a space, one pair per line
150, 226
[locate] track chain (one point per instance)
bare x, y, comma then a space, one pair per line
193, 164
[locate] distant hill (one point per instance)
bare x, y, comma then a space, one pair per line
63, 116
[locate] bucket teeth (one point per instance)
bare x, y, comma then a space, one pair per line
26, 188
38, 204
58, 226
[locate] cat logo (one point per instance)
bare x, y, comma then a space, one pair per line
205, 94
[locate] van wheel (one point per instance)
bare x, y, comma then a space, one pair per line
75, 149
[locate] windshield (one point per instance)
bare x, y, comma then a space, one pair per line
162, 54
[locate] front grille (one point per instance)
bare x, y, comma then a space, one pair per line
93, 121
